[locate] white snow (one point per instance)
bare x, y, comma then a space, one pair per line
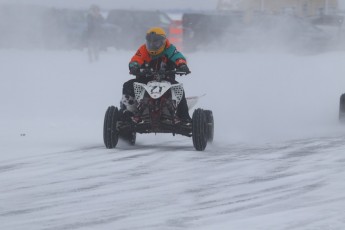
276, 163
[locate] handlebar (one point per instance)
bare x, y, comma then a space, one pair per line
159, 74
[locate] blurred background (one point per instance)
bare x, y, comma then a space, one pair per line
227, 25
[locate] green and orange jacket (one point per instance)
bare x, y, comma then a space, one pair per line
169, 59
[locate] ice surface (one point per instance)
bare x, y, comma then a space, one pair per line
276, 163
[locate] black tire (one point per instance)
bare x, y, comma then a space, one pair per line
210, 125
199, 129
342, 108
110, 133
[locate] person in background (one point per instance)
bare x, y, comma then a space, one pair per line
158, 54
94, 32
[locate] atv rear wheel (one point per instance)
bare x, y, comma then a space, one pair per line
210, 125
110, 132
199, 129
342, 108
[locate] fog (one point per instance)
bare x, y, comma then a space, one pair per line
63, 26
133, 4
264, 46
273, 85
279, 34
138, 4
276, 160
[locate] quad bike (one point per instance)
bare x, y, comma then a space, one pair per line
157, 103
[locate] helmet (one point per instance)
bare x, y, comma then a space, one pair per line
155, 40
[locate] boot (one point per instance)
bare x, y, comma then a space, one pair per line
182, 111
128, 107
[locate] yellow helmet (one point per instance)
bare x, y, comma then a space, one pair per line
155, 40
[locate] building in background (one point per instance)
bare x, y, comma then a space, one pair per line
303, 8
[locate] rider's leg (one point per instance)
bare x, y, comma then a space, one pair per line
89, 50
182, 109
128, 102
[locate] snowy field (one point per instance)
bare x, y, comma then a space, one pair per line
277, 162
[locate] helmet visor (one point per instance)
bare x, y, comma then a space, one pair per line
154, 41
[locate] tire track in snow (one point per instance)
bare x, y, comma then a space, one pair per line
168, 185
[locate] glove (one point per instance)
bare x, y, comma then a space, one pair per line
134, 68
183, 68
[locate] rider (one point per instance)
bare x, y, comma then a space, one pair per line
159, 54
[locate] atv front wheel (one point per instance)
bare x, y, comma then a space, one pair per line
110, 132
199, 129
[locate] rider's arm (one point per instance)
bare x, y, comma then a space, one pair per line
177, 57
174, 55
141, 56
